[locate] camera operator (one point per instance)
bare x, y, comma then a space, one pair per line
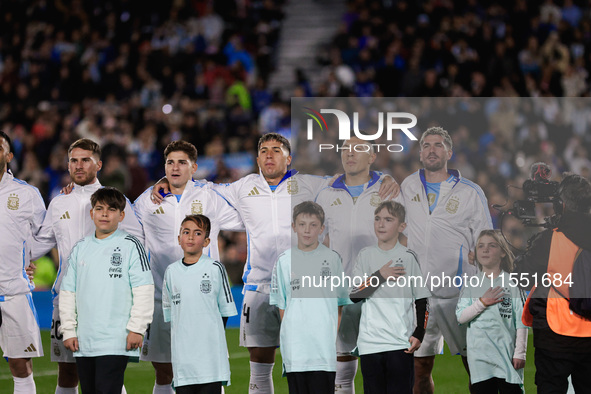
562, 338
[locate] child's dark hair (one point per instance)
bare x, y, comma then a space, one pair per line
310, 208
110, 196
201, 221
394, 208
181, 146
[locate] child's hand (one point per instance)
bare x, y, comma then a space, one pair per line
134, 341
492, 296
518, 363
71, 344
415, 344
386, 271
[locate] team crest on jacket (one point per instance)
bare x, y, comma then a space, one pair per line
375, 200
116, 257
13, 202
205, 284
196, 207
452, 205
292, 186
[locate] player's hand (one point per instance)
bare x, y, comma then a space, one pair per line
391, 272
163, 185
492, 296
415, 344
389, 188
471, 257
31, 271
518, 363
71, 344
67, 189
134, 341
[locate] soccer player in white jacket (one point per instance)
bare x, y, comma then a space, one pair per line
68, 221
21, 213
349, 205
445, 215
162, 223
264, 202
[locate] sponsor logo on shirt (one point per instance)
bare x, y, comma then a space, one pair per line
13, 202
115, 271
452, 205
505, 307
65, 216
254, 192
159, 211
176, 298
417, 198
295, 284
336, 202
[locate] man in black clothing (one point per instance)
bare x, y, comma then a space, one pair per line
563, 349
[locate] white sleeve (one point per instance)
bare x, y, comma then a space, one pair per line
228, 191
480, 216
166, 301
228, 218
142, 309
470, 312
44, 240
520, 344
68, 316
131, 222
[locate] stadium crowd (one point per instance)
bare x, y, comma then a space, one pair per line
135, 78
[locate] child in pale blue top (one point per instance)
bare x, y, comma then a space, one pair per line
394, 313
309, 316
197, 300
106, 297
496, 338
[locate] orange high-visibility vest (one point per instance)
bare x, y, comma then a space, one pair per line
563, 321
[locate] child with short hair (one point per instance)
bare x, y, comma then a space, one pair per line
197, 300
310, 316
388, 335
106, 297
496, 337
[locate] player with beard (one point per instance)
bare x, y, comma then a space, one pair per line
68, 221
445, 215
21, 213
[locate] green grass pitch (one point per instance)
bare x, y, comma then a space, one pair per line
449, 374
